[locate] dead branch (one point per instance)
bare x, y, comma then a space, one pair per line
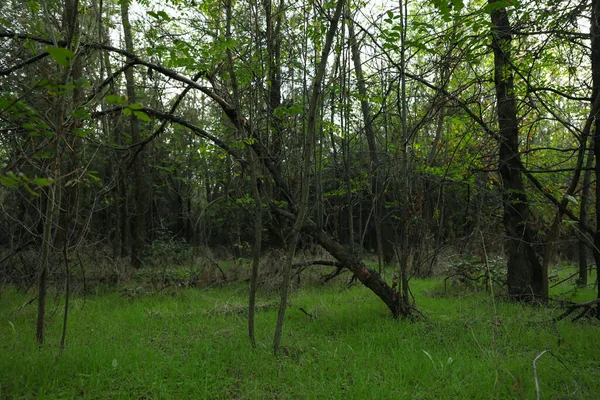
586, 307
302, 266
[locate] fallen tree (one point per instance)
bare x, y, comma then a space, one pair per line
269, 162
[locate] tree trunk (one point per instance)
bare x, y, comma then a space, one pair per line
368, 277
255, 249
525, 272
138, 167
51, 207
306, 170
595, 34
376, 181
583, 217
53, 199
403, 261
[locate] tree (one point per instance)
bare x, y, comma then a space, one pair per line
138, 172
525, 275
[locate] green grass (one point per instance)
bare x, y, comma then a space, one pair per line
193, 344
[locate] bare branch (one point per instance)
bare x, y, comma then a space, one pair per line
23, 64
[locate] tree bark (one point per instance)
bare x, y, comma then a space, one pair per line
525, 272
138, 167
306, 169
255, 249
376, 181
583, 217
595, 34
51, 207
53, 198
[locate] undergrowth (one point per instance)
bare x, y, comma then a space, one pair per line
193, 343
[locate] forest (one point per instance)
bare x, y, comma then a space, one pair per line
281, 199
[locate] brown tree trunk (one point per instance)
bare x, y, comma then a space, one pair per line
368, 277
138, 167
51, 207
256, 249
376, 181
595, 34
53, 199
525, 272
583, 217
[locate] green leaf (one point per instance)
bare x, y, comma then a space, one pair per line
8, 181
43, 83
571, 198
30, 190
92, 174
80, 132
160, 15
61, 55
115, 99
142, 115
496, 5
127, 112
136, 106
81, 113
43, 181
164, 15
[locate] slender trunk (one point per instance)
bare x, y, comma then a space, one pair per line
51, 207
306, 170
53, 199
138, 167
525, 272
404, 290
376, 181
255, 250
67, 295
583, 217
595, 34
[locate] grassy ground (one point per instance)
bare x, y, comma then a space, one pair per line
192, 344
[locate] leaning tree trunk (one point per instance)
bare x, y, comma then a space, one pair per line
368, 277
525, 272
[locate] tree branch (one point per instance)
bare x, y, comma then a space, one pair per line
23, 64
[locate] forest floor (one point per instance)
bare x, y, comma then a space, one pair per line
193, 344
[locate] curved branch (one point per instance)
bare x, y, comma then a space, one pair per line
23, 64
163, 126
110, 79
180, 121
134, 58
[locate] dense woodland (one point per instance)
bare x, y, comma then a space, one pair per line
139, 133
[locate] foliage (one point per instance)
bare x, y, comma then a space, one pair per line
475, 274
193, 343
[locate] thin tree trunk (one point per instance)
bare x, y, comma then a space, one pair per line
404, 290
255, 249
53, 199
67, 295
306, 170
595, 34
376, 181
138, 168
51, 207
583, 217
